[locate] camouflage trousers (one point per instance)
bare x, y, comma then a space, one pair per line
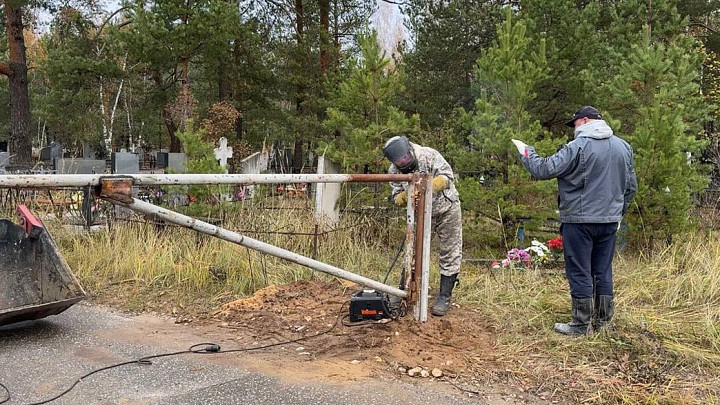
448, 227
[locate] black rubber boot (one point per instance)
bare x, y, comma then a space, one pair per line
604, 311
447, 283
582, 310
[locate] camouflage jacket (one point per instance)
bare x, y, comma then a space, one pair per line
431, 161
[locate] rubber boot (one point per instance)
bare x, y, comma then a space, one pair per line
604, 311
582, 310
447, 283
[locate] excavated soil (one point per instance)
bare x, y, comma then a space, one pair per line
461, 341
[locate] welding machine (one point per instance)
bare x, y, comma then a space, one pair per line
368, 305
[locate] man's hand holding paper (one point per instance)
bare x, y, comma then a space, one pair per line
521, 147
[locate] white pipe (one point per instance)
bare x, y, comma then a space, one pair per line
427, 229
204, 227
82, 180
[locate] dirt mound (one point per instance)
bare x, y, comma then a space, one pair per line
453, 343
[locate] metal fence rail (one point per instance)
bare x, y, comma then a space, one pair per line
118, 189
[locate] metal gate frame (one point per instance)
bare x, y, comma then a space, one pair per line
117, 189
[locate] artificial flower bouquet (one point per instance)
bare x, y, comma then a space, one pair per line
537, 254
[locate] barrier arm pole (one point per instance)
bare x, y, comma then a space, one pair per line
119, 191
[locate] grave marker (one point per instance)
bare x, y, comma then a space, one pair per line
223, 153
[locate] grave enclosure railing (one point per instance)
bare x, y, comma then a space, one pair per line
118, 190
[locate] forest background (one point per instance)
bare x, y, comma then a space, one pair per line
311, 75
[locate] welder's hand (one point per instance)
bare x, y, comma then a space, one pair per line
439, 183
401, 198
521, 147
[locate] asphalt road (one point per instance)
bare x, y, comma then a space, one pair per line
40, 359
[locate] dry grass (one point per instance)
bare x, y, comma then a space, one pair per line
663, 347
169, 257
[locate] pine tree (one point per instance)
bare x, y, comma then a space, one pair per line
201, 159
171, 38
364, 114
78, 70
448, 37
507, 74
655, 102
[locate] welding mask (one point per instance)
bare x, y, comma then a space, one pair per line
398, 150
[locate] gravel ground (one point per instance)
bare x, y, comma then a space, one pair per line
41, 359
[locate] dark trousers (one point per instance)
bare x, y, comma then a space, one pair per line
588, 250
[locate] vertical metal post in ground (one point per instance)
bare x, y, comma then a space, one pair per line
409, 262
427, 238
87, 207
423, 214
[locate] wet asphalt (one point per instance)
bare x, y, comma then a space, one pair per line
40, 359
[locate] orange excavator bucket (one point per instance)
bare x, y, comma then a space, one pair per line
35, 280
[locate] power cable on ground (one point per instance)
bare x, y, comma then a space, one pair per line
199, 348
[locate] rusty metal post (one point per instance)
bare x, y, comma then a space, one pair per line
86, 208
315, 242
408, 261
423, 203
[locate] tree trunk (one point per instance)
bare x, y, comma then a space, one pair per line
336, 37
172, 129
20, 145
325, 35
185, 91
298, 156
167, 117
223, 81
239, 127
299, 24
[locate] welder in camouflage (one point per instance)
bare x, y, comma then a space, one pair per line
407, 157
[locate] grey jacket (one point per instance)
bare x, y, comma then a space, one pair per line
595, 172
431, 161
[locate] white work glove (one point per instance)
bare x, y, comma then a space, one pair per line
521, 147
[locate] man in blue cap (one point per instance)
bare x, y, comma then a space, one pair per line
596, 182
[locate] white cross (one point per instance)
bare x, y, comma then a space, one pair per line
224, 152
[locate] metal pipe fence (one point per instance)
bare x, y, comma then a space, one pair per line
118, 189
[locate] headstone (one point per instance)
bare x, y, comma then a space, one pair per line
223, 153
88, 151
327, 213
45, 154
256, 163
161, 160
125, 163
79, 166
56, 150
4, 161
177, 162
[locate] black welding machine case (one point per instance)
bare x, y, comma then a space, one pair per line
367, 304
